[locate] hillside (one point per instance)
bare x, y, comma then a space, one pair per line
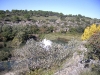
17, 26
48, 43
45, 18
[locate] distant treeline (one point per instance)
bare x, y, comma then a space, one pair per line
15, 15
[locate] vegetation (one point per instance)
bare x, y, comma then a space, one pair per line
18, 28
38, 60
88, 73
92, 35
89, 31
94, 44
76, 30
4, 55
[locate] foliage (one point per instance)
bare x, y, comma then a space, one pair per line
96, 68
38, 57
15, 18
93, 52
89, 31
18, 39
94, 46
6, 31
4, 55
78, 29
72, 30
26, 15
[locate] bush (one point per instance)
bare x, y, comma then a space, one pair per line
72, 30
79, 29
36, 56
89, 31
94, 51
96, 68
94, 46
4, 55
7, 31
18, 39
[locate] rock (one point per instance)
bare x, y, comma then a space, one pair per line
75, 64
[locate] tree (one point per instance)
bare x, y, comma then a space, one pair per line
7, 12
79, 15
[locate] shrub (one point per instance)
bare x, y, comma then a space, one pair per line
18, 39
93, 51
89, 31
79, 29
94, 46
4, 55
7, 31
72, 30
38, 57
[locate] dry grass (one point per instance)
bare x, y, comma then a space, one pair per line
53, 36
89, 73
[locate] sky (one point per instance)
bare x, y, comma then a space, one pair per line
88, 8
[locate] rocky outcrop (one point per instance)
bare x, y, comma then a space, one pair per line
73, 66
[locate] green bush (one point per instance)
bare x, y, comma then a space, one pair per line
7, 32
72, 30
78, 29
4, 55
18, 39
